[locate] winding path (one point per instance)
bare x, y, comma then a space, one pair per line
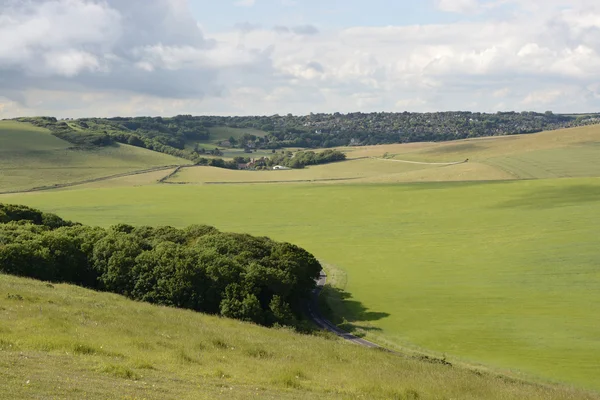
321, 322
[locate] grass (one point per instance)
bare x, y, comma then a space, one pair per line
60, 341
502, 274
556, 154
348, 170
31, 157
498, 274
561, 153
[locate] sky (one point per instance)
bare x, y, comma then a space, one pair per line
84, 58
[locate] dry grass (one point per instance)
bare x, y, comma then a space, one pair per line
336, 172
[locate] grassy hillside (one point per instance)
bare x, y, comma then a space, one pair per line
61, 341
31, 157
503, 274
19, 137
557, 154
563, 153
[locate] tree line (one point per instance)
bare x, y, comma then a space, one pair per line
170, 135
199, 268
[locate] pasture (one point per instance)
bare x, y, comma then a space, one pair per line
340, 171
555, 154
31, 157
501, 274
62, 341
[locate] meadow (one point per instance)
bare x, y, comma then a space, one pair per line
484, 264
555, 154
502, 274
31, 157
60, 341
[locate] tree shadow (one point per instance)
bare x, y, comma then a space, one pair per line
350, 315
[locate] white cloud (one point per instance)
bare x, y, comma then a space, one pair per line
458, 6
108, 57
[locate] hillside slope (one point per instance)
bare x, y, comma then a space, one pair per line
501, 274
553, 154
31, 157
67, 342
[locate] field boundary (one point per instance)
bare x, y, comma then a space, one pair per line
93, 180
261, 182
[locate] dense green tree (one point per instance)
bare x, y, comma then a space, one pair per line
239, 276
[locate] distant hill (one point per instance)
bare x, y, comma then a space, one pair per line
564, 153
572, 152
192, 137
31, 157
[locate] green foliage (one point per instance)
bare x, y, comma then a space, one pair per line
18, 213
171, 135
304, 158
198, 268
332, 130
64, 131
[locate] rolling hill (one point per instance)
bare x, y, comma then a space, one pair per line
555, 154
495, 273
500, 274
31, 157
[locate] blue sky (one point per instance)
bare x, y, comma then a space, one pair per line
328, 14
72, 58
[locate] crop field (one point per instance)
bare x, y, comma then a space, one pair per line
67, 342
31, 157
504, 274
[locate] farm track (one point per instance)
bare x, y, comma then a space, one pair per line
100, 179
419, 162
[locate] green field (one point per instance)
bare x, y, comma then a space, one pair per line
503, 274
60, 341
31, 157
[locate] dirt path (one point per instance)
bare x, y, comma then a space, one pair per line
321, 322
419, 162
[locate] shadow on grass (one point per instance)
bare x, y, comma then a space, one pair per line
350, 315
558, 196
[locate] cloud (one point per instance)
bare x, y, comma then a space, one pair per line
305, 30
109, 57
458, 6
148, 47
297, 30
